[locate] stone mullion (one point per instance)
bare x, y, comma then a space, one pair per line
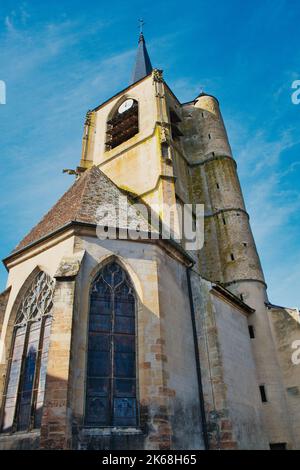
112, 358
37, 373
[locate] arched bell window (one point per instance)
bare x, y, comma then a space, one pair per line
25, 386
123, 125
111, 364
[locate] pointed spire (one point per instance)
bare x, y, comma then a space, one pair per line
142, 65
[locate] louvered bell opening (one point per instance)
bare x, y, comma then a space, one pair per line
122, 127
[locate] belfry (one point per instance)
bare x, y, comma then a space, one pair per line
142, 343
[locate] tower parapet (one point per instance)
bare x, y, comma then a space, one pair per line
214, 136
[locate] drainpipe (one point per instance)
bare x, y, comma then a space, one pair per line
197, 357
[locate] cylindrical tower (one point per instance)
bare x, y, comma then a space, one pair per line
229, 254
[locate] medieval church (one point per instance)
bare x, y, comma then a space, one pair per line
121, 343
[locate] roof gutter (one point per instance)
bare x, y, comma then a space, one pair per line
78, 223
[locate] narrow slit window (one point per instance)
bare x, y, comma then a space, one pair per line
175, 125
263, 394
251, 331
232, 256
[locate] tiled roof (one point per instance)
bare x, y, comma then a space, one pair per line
81, 203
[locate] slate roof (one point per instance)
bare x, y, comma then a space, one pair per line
143, 65
81, 203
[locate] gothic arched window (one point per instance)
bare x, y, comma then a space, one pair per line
25, 386
111, 365
123, 125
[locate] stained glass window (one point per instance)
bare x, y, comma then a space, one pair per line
25, 387
111, 365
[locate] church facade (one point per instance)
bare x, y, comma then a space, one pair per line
137, 342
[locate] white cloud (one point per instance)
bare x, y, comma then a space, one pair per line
9, 24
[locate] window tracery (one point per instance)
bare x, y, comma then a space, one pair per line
25, 387
111, 366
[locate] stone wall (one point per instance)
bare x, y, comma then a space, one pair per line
269, 372
230, 386
168, 394
4, 296
19, 278
3, 303
239, 371
179, 355
285, 324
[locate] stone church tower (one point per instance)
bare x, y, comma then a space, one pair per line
124, 342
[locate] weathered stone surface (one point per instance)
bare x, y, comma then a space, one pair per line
20, 441
285, 325
158, 167
56, 424
3, 303
69, 266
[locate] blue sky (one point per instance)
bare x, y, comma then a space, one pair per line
61, 58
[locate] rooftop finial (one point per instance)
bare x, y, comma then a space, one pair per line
141, 25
